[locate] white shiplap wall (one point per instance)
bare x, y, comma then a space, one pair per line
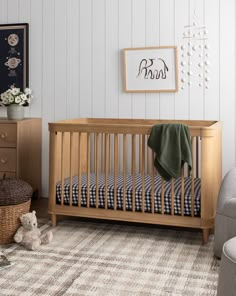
76, 66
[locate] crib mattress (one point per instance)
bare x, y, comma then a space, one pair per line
138, 193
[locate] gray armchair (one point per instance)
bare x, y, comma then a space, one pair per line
225, 221
227, 275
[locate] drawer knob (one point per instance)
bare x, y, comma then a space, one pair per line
3, 160
3, 135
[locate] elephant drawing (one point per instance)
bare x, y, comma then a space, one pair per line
149, 69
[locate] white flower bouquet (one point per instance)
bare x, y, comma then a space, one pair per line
15, 96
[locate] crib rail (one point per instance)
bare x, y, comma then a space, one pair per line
100, 149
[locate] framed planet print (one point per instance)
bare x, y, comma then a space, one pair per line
14, 57
151, 69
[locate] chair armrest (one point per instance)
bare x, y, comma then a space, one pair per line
227, 190
229, 208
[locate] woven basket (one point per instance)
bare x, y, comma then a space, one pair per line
10, 222
14, 192
15, 199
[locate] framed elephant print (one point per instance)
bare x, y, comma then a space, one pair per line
151, 69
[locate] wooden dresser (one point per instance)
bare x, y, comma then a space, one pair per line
20, 150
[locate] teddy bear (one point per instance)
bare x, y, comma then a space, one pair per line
28, 234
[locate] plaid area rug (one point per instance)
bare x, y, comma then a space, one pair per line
88, 258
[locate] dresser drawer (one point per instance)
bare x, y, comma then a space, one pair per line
7, 135
7, 160
7, 175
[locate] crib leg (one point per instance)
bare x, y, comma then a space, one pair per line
205, 235
54, 219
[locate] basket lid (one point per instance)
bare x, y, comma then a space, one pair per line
14, 192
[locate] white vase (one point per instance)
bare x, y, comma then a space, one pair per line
15, 112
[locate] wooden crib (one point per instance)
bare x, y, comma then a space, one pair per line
103, 168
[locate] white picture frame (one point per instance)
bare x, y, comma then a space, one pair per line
150, 69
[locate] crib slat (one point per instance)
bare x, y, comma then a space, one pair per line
124, 171
192, 196
193, 156
62, 167
149, 162
79, 168
162, 196
88, 170
103, 157
106, 168
142, 171
153, 175
182, 191
71, 164
133, 170
192, 177
197, 157
116, 159
53, 162
172, 196
140, 153
95, 151
96, 144
110, 152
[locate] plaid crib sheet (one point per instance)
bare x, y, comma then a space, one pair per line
138, 193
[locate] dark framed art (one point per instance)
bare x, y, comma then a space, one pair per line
14, 56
